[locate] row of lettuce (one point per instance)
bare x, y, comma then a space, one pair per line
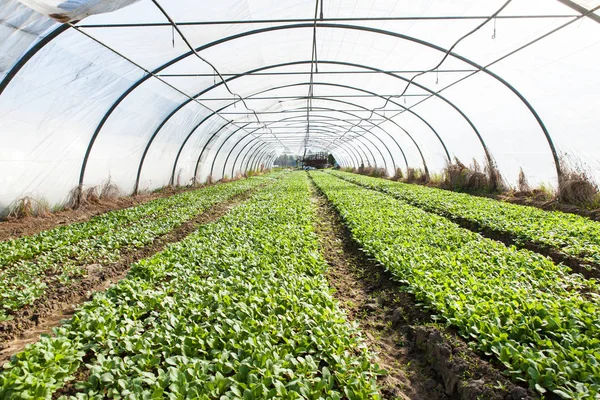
62, 254
534, 317
570, 234
238, 309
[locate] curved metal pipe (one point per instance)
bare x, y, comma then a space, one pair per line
38, 46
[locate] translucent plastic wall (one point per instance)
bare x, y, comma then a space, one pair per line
119, 94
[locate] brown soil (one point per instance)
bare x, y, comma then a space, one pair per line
60, 301
422, 361
588, 269
27, 226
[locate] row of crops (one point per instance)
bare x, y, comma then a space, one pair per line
238, 309
570, 234
27, 263
533, 316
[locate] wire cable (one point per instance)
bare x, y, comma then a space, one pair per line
193, 50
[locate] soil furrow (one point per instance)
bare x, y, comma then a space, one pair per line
61, 301
422, 360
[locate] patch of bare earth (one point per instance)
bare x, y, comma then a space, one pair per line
422, 361
61, 301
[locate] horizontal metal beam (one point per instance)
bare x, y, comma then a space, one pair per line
301, 20
316, 97
321, 72
286, 111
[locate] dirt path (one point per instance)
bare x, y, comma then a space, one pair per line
422, 361
61, 301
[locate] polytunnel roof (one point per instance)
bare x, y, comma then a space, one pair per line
155, 92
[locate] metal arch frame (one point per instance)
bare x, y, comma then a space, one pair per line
248, 134
351, 155
354, 115
374, 94
324, 130
323, 142
363, 128
331, 125
363, 66
248, 73
289, 118
228, 105
310, 25
185, 103
261, 145
212, 167
340, 26
244, 137
341, 111
255, 138
356, 155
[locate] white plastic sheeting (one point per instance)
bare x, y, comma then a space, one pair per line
120, 96
74, 10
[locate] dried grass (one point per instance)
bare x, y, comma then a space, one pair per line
416, 175
92, 196
472, 179
577, 186
76, 198
373, 171
29, 206
109, 190
398, 175
523, 184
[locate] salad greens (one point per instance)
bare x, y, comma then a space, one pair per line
238, 309
27, 263
533, 316
570, 234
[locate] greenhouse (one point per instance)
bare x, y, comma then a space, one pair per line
336, 199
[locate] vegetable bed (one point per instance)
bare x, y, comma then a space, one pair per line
539, 321
573, 235
239, 309
27, 263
